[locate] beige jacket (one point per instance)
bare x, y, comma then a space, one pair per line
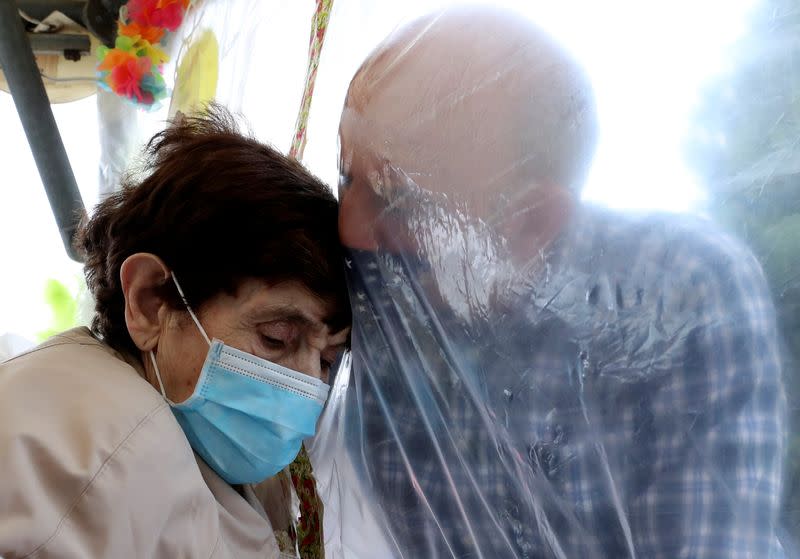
93, 464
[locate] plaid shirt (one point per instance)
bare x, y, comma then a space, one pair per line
627, 403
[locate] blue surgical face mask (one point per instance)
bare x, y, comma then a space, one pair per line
247, 416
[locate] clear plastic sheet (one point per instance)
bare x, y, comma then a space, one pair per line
533, 375
623, 390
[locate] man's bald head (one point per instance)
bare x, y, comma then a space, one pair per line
475, 103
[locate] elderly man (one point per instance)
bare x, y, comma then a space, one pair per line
533, 376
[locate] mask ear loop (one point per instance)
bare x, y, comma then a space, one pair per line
188, 308
158, 375
199, 327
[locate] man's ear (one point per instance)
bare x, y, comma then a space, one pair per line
142, 275
541, 214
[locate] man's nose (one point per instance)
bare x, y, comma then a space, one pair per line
359, 206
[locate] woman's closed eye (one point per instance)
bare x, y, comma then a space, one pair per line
277, 335
273, 343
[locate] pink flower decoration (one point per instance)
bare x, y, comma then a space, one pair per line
141, 12
170, 16
126, 78
167, 14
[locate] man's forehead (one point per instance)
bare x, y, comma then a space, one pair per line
439, 105
457, 149
470, 105
453, 47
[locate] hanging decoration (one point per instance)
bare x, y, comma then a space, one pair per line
319, 25
133, 68
197, 74
308, 537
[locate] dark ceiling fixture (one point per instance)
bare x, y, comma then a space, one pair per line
100, 17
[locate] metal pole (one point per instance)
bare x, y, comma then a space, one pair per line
33, 107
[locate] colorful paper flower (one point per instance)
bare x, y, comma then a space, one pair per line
146, 32
141, 48
170, 15
126, 79
109, 58
132, 68
158, 13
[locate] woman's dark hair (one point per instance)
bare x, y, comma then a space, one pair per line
218, 207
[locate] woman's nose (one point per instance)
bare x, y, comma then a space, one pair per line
307, 361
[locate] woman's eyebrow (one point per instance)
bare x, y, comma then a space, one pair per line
294, 314
288, 314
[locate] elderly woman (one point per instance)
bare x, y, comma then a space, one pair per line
220, 308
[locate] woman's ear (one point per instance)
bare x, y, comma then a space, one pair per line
142, 275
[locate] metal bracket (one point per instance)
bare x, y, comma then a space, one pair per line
33, 107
